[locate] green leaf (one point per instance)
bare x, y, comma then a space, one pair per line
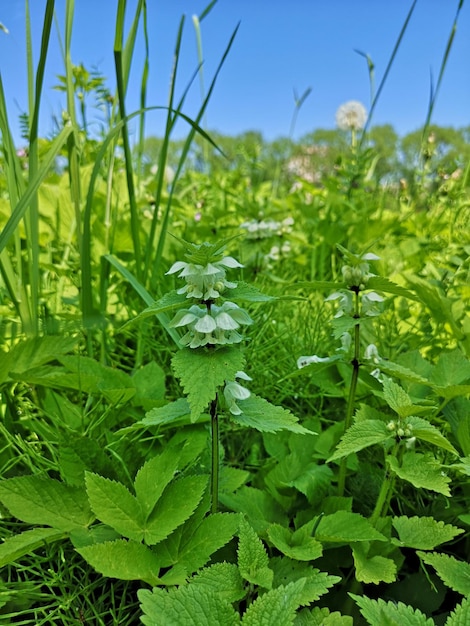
403, 373
455, 574
212, 533
126, 560
252, 557
425, 431
380, 283
42, 500
422, 471
113, 504
174, 413
423, 533
277, 606
259, 506
322, 617
223, 579
390, 613
397, 398
372, 569
316, 583
461, 614
452, 368
169, 302
186, 606
202, 371
154, 476
361, 435
266, 417
244, 292
296, 545
15, 547
346, 527
149, 383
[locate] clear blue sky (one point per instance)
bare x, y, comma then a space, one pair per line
281, 45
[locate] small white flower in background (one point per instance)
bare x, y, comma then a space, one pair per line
303, 361
371, 302
351, 115
372, 354
233, 391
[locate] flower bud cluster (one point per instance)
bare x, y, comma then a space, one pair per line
401, 430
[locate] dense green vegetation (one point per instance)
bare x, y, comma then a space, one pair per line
235, 375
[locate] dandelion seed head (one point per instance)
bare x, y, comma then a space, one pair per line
351, 115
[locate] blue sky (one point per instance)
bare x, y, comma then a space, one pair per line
281, 45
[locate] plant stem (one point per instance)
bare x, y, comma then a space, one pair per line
352, 394
385, 493
215, 456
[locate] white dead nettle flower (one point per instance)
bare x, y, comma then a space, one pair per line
351, 115
303, 361
233, 391
207, 282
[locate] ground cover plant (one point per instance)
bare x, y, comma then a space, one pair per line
235, 376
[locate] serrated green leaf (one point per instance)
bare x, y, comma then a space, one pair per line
397, 398
212, 533
452, 391
322, 617
372, 569
201, 372
403, 373
223, 579
244, 292
384, 284
149, 383
346, 527
277, 606
126, 560
113, 504
422, 471
379, 612
253, 560
316, 583
425, 431
17, 546
186, 606
359, 436
452, 368
266, 417
172, 413
343, 324
175, 506
461, 614
298, 546
423, 533
42, 500
154, 476
453, 573
259, 506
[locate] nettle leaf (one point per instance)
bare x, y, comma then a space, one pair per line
266, 417
201, 372
212, 533
403, 373
384, 284
394, 614
169, 302
297, 545
17, 546
154, 476
252, 557
244, 292
126, 560
423, 533
222, 578
397, 398
361, 435
259, 507
277, 606
422, 471
452, 391
425, 431
346, 527
149, 382
42, 500
316, 583
176, 505
453, 573
461, 614
343, 325
185, 606
322, 617
174, 413
113, 504
372, 569
452, 368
